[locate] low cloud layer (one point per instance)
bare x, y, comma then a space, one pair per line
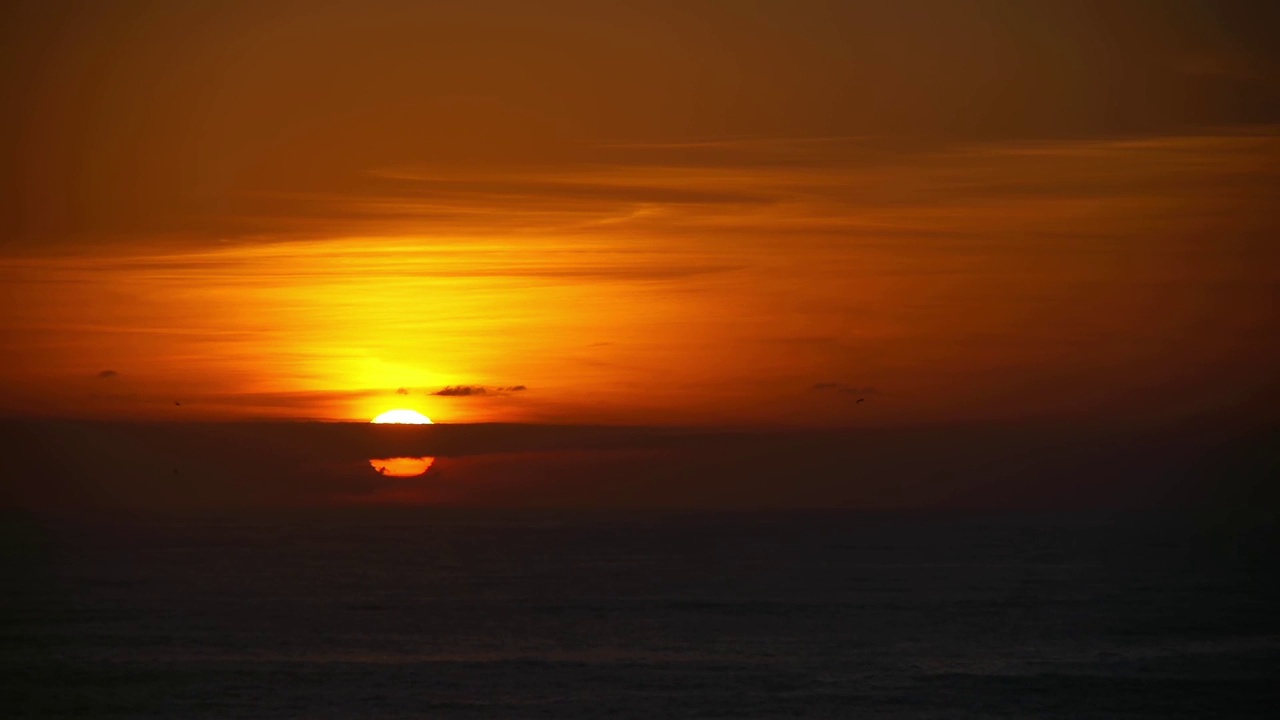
108, 374
59, 464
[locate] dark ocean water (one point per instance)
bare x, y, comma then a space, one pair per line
448, 614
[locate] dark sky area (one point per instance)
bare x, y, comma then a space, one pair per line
202, 117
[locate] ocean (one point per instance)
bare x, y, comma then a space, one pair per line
429, 613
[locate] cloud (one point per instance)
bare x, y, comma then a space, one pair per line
460, 391
472, 390
843, 388
108, 374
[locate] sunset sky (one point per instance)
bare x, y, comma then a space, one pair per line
639, 358
731, 214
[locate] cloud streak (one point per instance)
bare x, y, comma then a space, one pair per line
460, 391
476, 390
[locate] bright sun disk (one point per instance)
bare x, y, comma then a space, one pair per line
402, 467
402, 417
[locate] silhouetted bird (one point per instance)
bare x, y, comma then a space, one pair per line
175, 402
861, 399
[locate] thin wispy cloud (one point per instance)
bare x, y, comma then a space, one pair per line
826, 186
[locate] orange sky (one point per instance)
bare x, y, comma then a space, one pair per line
690, 213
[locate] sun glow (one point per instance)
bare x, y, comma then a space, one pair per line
402, 417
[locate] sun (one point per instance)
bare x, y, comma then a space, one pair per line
402, 417
402, 467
